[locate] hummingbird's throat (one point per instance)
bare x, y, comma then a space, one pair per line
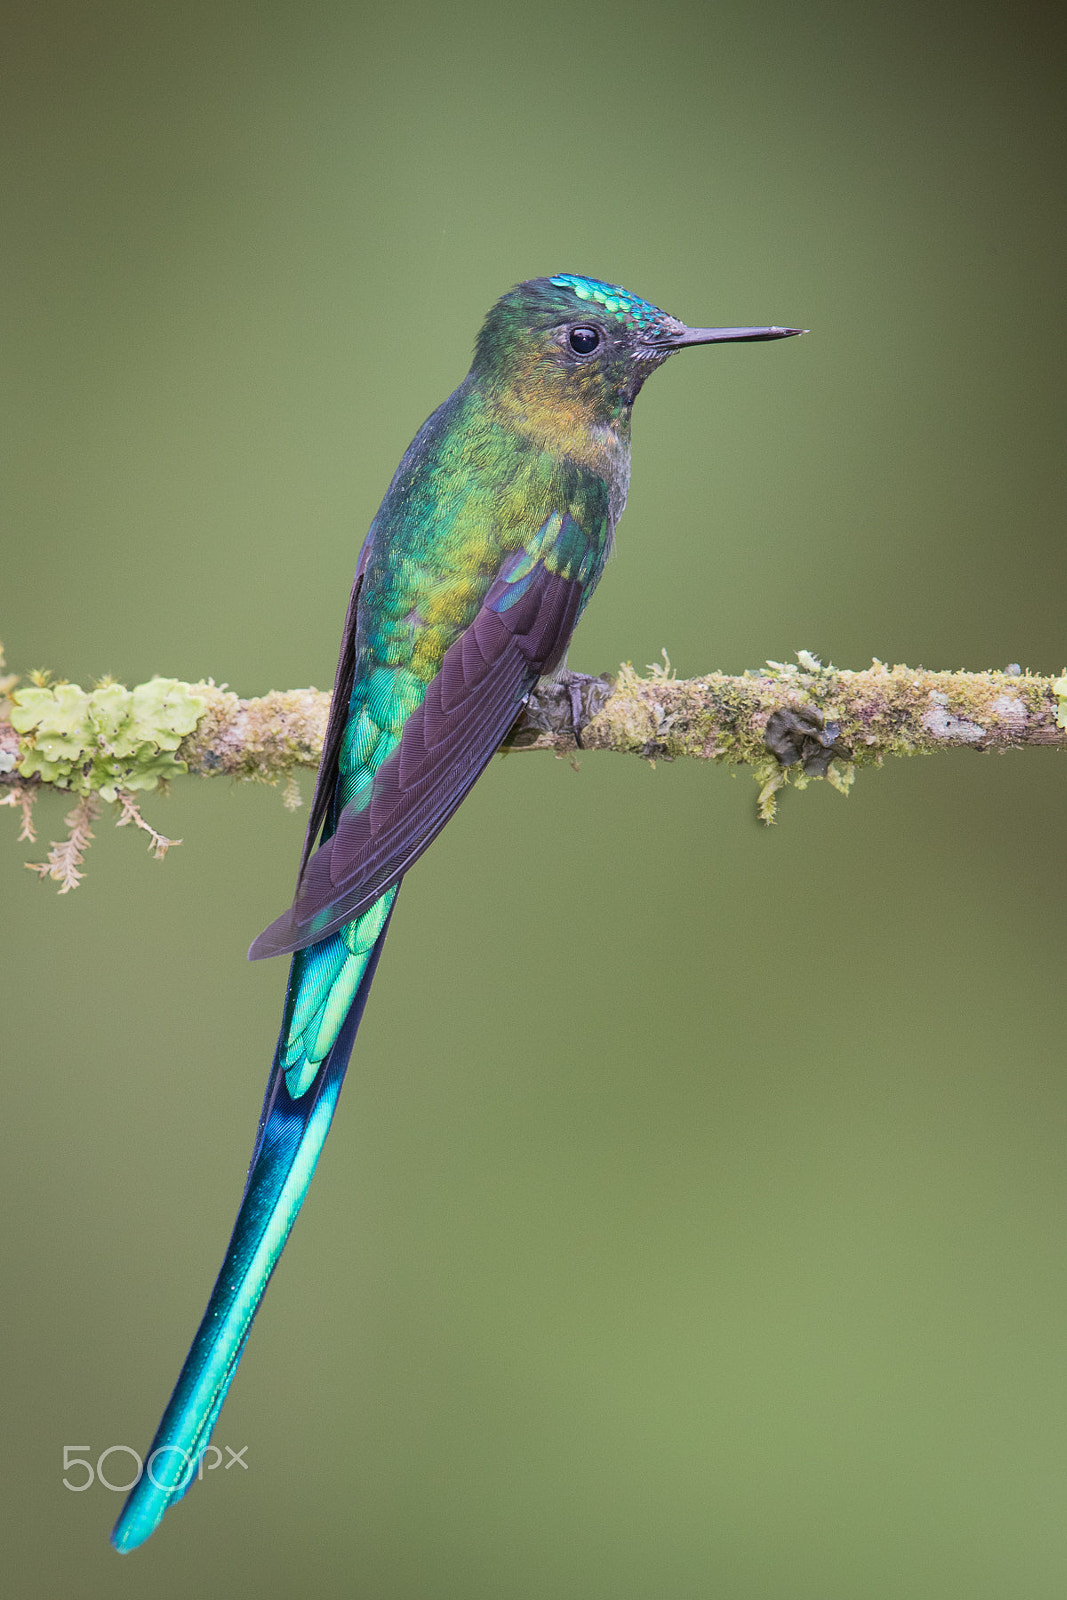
578, 427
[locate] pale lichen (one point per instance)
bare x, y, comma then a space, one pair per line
102, 745
108, 739
65, 858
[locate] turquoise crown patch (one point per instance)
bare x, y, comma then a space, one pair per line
612, 298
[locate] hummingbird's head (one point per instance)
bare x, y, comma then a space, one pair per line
583, 346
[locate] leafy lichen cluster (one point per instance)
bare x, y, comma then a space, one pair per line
107, 740
104, 744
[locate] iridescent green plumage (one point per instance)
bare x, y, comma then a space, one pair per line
482, 557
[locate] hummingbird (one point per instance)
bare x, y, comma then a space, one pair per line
475, 571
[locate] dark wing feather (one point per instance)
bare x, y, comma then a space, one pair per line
446, 743
326, 782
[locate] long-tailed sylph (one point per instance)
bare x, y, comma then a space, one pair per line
490, 540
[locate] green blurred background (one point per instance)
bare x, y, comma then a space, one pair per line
696, 1225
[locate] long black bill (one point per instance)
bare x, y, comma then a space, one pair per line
727, 335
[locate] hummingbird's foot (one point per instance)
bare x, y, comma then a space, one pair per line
562, 706
572, 683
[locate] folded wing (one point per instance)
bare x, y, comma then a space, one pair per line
520, 632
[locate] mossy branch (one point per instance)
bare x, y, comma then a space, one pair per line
789, 723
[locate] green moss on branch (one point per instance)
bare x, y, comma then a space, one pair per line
789, 723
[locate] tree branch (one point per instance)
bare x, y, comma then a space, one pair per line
790, 723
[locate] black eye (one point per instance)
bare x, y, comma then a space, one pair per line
584, 340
